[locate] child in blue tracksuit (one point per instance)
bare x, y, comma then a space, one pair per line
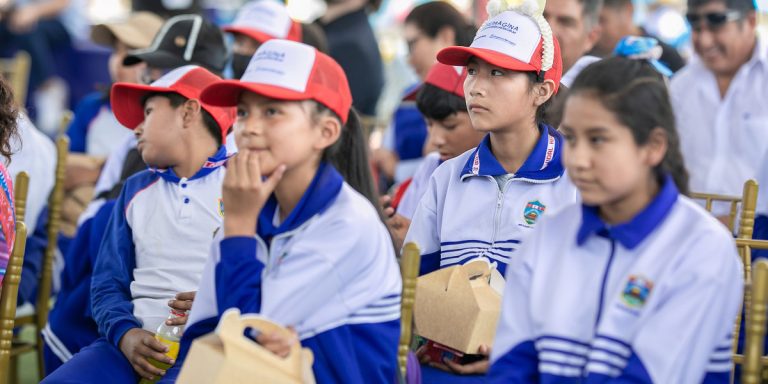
441, 103
483, 203
70, 323
161, 228
301, 245
641, 285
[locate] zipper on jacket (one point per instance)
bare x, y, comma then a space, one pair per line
497, 214
605, 282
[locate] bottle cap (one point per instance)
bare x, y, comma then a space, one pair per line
179, 313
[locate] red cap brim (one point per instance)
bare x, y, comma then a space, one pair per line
259, 36
411, 96
126, 102
227, 93
459, 56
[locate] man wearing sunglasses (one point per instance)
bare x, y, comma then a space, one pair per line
720, 98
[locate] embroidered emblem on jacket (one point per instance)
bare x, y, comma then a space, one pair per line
636, 293
533, 210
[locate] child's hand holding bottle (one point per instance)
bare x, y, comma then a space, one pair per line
181, 303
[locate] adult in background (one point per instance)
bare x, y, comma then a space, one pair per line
576, 25
353, 45
41, 27
719, 98
428, 28
94, 130
617, 21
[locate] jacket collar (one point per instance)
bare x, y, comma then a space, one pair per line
322, 191
633, 232
543, 164
214, 162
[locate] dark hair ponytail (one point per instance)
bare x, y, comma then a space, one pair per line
349, 155
637, 95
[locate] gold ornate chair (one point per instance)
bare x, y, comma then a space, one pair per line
39, 317
409, 268
20, 190
748, 202
8, 296
752, 366
745, 247
16, 71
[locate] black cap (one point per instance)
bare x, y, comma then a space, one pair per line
183, 40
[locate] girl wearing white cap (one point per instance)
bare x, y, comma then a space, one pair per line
300, 244
482, 203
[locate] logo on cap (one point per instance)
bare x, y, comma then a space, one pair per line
278, 63
511, 34
270, 55
509, 27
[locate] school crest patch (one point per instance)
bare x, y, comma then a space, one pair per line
533, 210
636, 293
221, 207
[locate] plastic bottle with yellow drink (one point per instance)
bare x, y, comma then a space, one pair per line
170, 335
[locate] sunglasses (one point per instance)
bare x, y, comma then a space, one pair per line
714, 20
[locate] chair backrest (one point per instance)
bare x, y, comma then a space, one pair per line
20, 190
16, 72
751, 371
409, 269
745, 247
748, 207
748, 202
8, 295
54, 221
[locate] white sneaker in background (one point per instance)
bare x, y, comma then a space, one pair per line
50, 102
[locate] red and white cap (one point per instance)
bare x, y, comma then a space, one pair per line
188, 81
446, 77
287, 70
512, 40
264, 20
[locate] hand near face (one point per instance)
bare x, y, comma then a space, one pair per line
245, 192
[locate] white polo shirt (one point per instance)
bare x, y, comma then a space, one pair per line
723, 139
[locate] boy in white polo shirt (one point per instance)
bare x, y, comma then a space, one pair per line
160, 232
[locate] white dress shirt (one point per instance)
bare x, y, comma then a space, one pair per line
723, 139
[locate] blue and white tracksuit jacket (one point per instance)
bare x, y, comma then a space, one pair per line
652, 300
465, 215
70, 323
419, 185
328, 270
